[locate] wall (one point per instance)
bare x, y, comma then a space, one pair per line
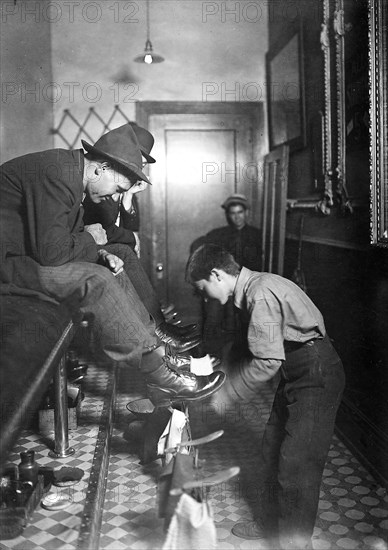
26, 109
79, 55
345, 276
211, 54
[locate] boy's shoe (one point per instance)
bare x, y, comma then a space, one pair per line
249, 530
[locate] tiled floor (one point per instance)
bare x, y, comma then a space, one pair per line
353, 509
55, 530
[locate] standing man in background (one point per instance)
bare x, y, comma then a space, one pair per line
239, 238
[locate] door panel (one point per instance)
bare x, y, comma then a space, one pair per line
274, 209
194, 193
201, 159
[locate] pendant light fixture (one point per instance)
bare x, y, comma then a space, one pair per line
148, 56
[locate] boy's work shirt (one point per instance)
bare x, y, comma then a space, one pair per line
278, 311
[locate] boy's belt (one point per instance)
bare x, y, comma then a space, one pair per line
293, 346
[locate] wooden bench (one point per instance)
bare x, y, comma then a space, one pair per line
35, 336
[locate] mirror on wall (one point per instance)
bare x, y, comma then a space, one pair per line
350, 24
285, 89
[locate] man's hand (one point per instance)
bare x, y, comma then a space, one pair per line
138, 187
137, 244
127, 196
97, 232
126, 200
114, 263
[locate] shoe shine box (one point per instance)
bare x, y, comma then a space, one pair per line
46, 415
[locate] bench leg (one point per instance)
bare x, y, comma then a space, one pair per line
62, 448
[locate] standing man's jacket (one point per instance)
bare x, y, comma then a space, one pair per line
244, 244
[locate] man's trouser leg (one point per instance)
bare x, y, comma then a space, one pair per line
139, 279
298, 436
120, 320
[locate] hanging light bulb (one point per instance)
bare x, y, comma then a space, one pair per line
148, 56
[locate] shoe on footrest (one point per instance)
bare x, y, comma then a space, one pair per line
170, 314
180, 362
201, 366
165, 385
178, 331
168, 308
179, 343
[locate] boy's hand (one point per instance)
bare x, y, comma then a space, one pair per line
113, 262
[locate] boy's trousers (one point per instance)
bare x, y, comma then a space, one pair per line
297, 439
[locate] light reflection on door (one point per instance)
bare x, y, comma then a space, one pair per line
196, 186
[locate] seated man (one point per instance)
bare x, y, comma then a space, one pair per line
286, 334
114, 215
46, 252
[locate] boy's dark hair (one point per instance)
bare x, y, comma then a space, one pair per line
208, 257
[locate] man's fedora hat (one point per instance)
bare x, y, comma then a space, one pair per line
235, 199
146, 141
121, 147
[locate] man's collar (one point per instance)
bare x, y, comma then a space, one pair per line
236, 228
242, 279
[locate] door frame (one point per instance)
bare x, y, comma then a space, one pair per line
146, 109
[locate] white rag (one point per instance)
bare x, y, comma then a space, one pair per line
192, 526
201, 366
172, 435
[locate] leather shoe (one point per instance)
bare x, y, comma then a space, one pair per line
165, 385
179, 343
248, 530
179, 362
182, 362
165, 330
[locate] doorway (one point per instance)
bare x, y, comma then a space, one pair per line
204, 152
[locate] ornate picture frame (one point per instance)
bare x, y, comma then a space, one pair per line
378, 81
350, 26
323, 202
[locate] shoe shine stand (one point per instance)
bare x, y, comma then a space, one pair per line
183, 474
182, 470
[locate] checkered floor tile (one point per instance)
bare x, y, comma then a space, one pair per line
353, 508
59, 530
353, 511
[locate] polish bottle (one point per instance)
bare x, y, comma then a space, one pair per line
28, 468
20, 492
